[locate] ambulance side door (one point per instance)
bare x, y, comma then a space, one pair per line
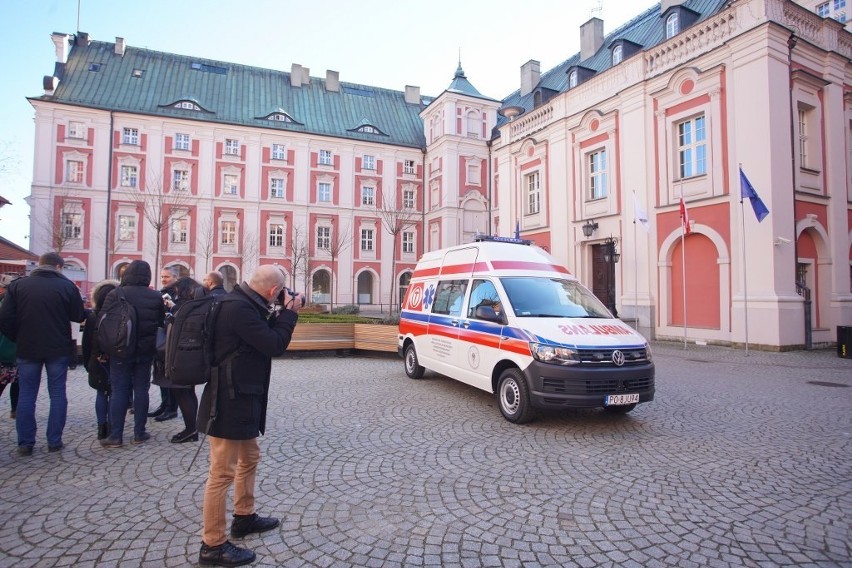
441, 352
480, 336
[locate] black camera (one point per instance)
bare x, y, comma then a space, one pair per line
282, 297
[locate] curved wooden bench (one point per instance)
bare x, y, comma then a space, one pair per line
322, 337
374, 337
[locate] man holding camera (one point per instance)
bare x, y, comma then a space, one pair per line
254, 324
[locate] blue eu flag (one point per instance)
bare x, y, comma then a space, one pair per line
747, 190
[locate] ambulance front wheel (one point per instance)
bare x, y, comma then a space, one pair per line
514, 397
412, 365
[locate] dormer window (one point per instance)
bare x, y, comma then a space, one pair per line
617, 54
187, 105
572, 79
280, 117
672, 25
137, 73
368, 130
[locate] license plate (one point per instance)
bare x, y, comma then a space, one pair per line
621, 399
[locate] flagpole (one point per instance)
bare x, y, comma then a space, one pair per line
635, 262
683, 222
745, 265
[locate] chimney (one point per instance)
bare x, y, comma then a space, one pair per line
306, 76
62, 43
530, 76
332, 81
412, 95
591, 38
666, 4
295, 75
119, 46
82, 39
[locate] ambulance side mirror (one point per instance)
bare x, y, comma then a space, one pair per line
487, 313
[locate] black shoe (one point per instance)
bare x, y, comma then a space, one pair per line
111, 443
184, 436
103, 431
226, 554
159, 411
167, 415
247, 524
141, 439
55, 448
25, 450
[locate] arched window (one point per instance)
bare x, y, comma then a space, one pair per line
365, 288
572, 79
404, 281
672, 25
229, 277
321, 287
617, 54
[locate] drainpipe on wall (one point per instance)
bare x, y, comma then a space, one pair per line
423, 226
488, 222
107, 239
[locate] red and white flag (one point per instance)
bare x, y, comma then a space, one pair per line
684, 217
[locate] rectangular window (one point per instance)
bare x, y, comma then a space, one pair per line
126, 228
74, 171
181, 141
824, 9
407, 242
232, 147
597, 175
367, 239
368, 195
278, 152
473, 174
369, 163
803, 138
692, 147
180, 228
449, 297
408, 199
276, 235
229, 232
180, 180
230, 185
76, 130
533, 194
276, 188
130, 136
72, 224
325, 157
839, 4
128, 176
324, 192
408, 167
323, 237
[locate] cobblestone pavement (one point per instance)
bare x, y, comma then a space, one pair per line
740, 461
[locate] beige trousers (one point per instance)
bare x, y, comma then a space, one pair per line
231, 462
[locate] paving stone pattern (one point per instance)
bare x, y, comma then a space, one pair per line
740, 461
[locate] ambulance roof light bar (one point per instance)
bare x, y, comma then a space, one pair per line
478, 238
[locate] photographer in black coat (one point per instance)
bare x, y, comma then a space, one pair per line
251, 330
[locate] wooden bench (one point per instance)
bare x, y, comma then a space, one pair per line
375, 337
322, 337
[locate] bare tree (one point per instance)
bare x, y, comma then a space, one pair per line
339, 241
395, 220
206, 239
299, 252
249, 252
63, 221
161, 206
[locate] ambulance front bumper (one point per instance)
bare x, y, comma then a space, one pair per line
581, 386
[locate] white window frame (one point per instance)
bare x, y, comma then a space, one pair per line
180, 179
232, 147
130, 136
823, 10
803, 137
532, 186
324, 190
617, 54
408, 167
278, 152
76, 130
129, 176
126, 227
409, 198
368, 196
276, 234
72, 223
228, 232
75, 170
473, 124
691, 140
368, 162
180, 230
323, 237
182, 141
230, 184
672, 25
277, 188
474, 172
325, 158
598, 174
367, 239
408, 242
572, 79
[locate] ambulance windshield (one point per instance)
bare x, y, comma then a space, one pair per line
552, 298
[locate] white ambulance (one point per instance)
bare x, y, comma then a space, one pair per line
503, 316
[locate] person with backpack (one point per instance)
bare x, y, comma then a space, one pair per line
36, 314
8, 368
185, 290
131, 346
254, 323
95, 360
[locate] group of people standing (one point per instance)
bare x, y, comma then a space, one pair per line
254, 325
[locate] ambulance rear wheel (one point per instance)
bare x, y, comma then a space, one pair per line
514, 397
412, 365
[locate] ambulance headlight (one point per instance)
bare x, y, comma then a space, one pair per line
648, 354
554, 355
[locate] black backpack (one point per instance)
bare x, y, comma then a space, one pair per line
189, 342
116, 331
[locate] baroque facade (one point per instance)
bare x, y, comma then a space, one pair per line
247, 166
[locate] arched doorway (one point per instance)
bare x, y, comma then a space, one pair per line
365, 288
229, 275
321, 287
703, 298
180, 269
404, 281
119, 270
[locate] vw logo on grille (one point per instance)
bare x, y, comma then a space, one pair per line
618, 358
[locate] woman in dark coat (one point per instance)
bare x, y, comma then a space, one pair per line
95, 360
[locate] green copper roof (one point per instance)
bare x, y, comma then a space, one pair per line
156, 83
461, 85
